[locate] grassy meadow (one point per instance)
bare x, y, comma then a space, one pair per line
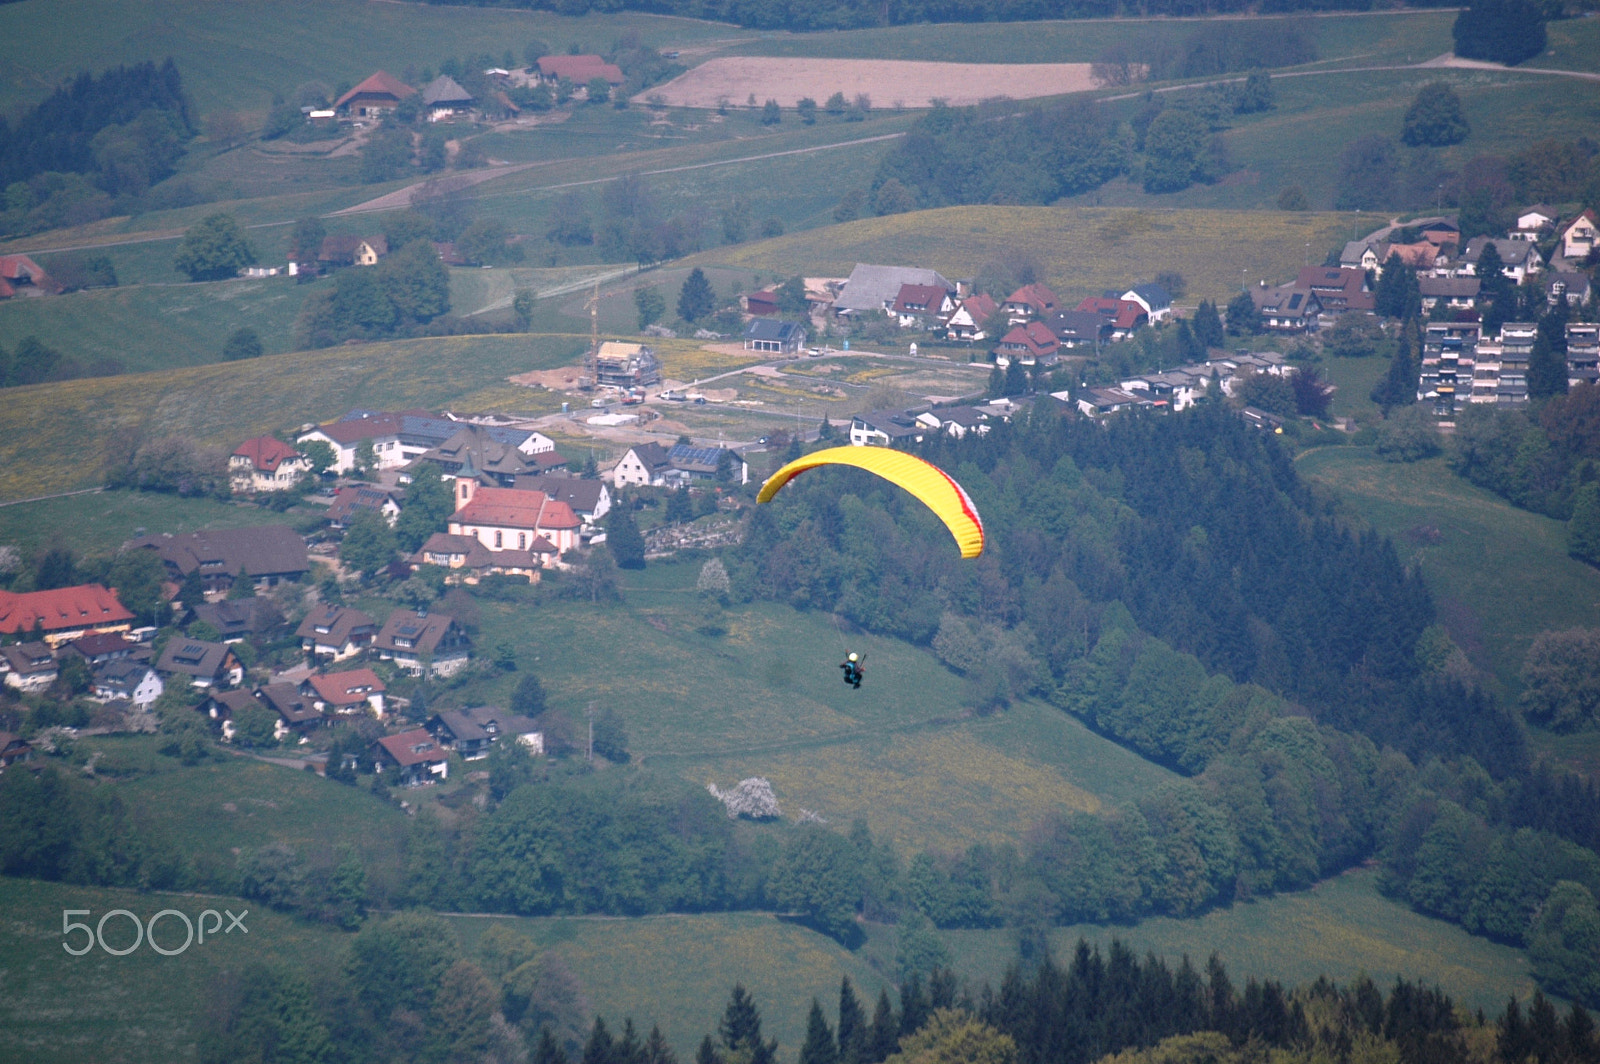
57, 437
1340, 928
101, 522
1083, 250
1483, 548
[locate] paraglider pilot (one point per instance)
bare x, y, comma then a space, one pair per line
852, 670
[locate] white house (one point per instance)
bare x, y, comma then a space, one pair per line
1520, 258
1579, 238
266, 464
645, 465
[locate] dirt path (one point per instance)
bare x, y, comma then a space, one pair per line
400, 199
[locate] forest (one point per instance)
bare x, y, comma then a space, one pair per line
93, 139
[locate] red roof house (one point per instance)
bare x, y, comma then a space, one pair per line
579, 69
1124, 314
266, 464
18, 272
352, 691
1032, 342
1032, 300
64, 613
415, 754
380, 93
513, 518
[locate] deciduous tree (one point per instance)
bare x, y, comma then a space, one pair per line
214, 249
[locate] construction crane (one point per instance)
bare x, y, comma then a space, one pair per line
591, 365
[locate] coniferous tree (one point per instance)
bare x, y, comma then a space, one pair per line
696, 298
548, 1051
853, 1029
1583, 530
1397, 294
1399, 386
1547, 369
885, 1036
913, 1005
818, 1047
707, 1053
1501, 31
625, 540
1208, 325
656, 1050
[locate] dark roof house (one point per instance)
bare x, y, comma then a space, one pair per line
205, 664
417, 640
267, 554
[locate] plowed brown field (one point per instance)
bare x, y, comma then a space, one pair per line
888, 82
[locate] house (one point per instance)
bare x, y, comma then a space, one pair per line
1569, 285
98, 648
1533, 221
396, 438
578, 69
1337, 289
13, 748
1286, 308
511, 519
921, 306
763, 303
1457, 293
1031, 343
374, 97
778, 337
418, 641
126, 680
238, 619
956, 421
354, 499
1500, 365
1449, 356
1519, 258
415, 755
1124, 315
1075, 328
1583, 353
874, 289
1176, 389
589, 499
20, 275
296, 713
885, 428
267, 555
626, 365
64, 613
345, 693
966, 320
335, 632
443, 97
1098, 402
29, 667
476, 561
469, 732
1580, 238
205, 664
1154, 298
1031, 301
645, 464
706, 463
223, 707
266, 464
476, 452
345, 249
1362, 255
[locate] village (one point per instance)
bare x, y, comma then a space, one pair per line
487, 497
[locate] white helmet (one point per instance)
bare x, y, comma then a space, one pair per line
852, 655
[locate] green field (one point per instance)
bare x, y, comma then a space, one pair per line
902, 753
1083, 250
1340, 928
1499, 575
99, 523
56, 437
677, 970
234, 57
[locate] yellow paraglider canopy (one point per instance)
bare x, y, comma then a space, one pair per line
937, 490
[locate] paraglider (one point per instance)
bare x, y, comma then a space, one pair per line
853, 667
931, 485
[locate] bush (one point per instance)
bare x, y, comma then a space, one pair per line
1407, 436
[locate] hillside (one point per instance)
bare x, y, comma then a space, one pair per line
1083, 250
